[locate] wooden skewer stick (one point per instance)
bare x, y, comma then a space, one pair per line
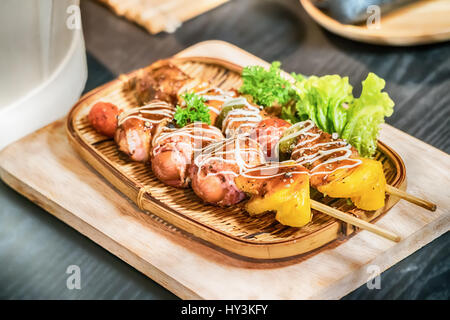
408, 197
354, 221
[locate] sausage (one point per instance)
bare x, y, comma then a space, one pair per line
103, 117
174, 150
322, 154
137, 127
214, 170
337, 170
133, 139
267, 133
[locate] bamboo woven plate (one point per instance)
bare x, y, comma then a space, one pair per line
423, 22
229, 228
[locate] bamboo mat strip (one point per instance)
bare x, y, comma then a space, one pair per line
160, 15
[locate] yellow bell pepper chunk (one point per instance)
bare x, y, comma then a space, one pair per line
287, 195
365, 185
373, 197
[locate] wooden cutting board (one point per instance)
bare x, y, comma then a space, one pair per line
44, 168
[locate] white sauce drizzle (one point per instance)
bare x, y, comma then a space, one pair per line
274, 166
217, 95
157, 108
249, 115
230, 151
196, 132
305, 128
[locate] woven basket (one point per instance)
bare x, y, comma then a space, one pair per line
231, 228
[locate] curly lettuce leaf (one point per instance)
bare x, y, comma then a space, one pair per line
366, 115
328, 101
325, 100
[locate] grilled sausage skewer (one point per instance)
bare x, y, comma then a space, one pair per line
284, 188
337, 170
157, 90
174, 150
217, 166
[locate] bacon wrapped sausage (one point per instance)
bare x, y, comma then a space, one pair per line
214, 170
267, 133
137, 127
336, 168
174, 150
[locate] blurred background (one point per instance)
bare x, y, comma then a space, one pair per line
42, 64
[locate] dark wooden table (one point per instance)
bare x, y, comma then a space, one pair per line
36, 248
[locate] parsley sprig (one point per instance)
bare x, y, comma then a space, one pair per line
195, 110
268, 87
